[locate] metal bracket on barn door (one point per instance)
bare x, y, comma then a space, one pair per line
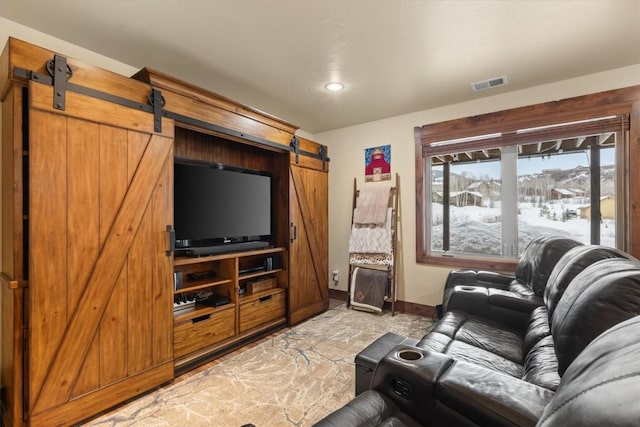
61, 72
157, 102
59, 75
322, 152
295, 147
321, 155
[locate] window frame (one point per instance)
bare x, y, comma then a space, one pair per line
501, 128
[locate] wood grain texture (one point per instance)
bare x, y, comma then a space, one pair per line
114, 157
193, 335
308, 253
48, 284
12, 356
184, 97
83, 217
76, 410
259, 311
74, 364
31, 57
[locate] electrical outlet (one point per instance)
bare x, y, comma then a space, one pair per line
335, 275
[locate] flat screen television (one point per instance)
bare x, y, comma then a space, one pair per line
221, 208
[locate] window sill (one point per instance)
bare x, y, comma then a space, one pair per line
461, 261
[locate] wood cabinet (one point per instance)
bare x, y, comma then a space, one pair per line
225, 309
87, 279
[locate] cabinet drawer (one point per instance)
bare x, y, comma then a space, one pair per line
203, 331
262, 310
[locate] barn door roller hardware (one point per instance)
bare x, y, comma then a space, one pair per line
156, 100
294, 146
61, 72
59, 75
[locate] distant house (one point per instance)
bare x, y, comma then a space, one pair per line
561, 193
607, 208
460, 198
485, 187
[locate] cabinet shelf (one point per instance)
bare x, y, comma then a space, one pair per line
258, 274
183, 260
202, 284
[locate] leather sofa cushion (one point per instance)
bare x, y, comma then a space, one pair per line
541, 365
491, 398
538, 260
476, 340
481, 333
537, 329
601, 387
570, 265
604, 294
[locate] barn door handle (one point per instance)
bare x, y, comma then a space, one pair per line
293, 232
171, 234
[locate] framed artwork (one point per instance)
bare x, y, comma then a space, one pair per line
377, 163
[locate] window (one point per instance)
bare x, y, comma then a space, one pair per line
489, 184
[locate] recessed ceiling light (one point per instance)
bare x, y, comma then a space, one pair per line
334, 86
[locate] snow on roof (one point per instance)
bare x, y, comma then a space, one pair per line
564, 191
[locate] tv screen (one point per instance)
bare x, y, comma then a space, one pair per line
216, 204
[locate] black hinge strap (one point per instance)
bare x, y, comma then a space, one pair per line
83, 90
322, 152
157, 102
295, 147
61, 72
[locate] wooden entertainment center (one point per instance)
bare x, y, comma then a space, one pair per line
92, 309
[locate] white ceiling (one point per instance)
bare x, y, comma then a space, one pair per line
395, 57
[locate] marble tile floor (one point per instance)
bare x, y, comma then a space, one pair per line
293, 377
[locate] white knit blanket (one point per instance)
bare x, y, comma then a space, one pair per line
372, 239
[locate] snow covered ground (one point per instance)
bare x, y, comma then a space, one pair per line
476, 229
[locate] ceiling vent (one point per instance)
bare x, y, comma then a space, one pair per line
486, 84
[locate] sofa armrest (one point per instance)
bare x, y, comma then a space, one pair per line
491, 398
513, 301
482, 279
435, 389
502, 306
408, 375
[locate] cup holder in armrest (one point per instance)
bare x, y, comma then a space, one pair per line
409, 354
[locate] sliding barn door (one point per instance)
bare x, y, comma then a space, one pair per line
99, 296
308, 259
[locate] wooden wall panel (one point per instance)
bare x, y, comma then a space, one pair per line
114, 154
83, 224
161, 303
11, 377
48, 259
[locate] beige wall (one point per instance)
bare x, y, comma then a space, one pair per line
419, 283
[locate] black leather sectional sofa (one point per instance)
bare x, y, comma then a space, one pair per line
558, 345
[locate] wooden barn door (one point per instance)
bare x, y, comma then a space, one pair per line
99, 296
309, 252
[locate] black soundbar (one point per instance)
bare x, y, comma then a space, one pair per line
229, 247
